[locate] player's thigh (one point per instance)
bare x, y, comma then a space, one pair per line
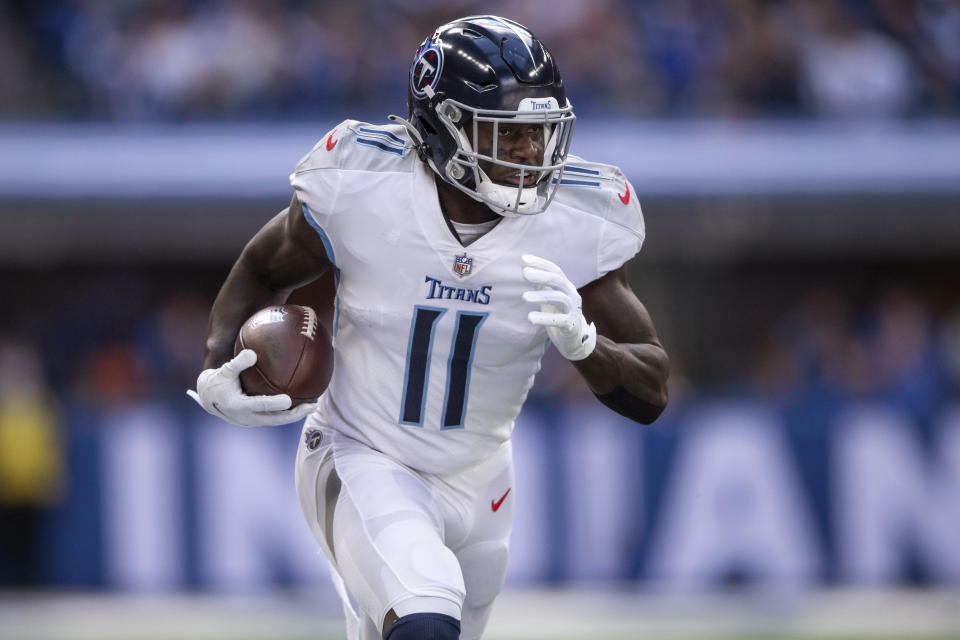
318, 485
387, 536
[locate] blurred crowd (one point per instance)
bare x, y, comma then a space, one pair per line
284, 59
899, 350
138, 336
132, 340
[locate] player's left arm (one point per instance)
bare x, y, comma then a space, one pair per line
628, 369
606, 332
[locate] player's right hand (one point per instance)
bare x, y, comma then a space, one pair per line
219, 392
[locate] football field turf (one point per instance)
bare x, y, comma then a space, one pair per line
746, 637
519, 615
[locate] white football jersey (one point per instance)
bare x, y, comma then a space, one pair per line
434, 354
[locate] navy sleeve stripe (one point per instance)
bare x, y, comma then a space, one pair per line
572, 169
580, 183
382, 146
385, 134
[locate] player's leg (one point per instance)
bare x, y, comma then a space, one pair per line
482, 550
383, 535
318, 488
484, 566
388, 540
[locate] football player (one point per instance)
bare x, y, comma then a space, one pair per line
465, 241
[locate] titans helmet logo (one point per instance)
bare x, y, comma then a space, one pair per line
427, 66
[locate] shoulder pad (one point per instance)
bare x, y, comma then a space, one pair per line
601, 190
360, 146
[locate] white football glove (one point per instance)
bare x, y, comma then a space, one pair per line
219, 392
561, 309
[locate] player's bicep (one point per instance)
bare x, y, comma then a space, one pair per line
287, 252
611, 304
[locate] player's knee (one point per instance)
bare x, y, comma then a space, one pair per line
484, 566
424, 626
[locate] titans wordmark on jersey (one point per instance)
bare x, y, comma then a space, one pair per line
434, 355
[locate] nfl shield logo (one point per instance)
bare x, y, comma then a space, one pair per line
462, 265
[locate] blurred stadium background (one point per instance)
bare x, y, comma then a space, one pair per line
799, 165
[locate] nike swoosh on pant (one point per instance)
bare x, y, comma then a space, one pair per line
495, 504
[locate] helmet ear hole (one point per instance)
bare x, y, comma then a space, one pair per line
452, 112
455, 171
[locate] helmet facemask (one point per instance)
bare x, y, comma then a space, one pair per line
470, 166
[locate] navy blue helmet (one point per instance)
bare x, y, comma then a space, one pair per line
486, 69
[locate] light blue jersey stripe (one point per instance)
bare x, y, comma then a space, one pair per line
327, 245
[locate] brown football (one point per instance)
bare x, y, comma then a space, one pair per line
294, 354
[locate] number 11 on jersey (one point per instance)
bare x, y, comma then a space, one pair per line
417, 375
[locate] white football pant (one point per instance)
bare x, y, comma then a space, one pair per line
404, 540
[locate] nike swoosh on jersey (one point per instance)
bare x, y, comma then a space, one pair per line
495, 504
625, 198
331, 143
